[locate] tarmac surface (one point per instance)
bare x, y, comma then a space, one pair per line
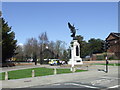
93, 78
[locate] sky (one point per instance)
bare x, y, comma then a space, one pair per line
30, 19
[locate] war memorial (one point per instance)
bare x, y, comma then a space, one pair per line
75, 49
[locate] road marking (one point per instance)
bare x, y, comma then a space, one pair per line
104, 80
101, 81
80, 85
115, 86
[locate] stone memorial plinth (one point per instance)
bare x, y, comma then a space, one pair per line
75, 54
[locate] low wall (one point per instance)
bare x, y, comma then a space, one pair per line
25, 63
110, 61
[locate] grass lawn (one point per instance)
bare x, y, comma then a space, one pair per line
25, 73
2, 76
116, 64
61, 71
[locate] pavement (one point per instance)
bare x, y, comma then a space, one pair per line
93, 76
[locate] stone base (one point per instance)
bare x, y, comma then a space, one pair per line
77, 61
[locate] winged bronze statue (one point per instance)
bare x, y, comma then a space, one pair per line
72, 29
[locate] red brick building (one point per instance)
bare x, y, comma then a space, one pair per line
114, 41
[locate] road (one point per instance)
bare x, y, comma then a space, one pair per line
101, 81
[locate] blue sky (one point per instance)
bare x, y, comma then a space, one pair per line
30, 19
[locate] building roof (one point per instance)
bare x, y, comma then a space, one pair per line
117, 35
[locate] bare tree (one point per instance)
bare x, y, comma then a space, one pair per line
52, 46
60, 46
43, 38
19, 53
31, 49
43, 42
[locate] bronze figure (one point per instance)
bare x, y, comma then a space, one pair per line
73, 30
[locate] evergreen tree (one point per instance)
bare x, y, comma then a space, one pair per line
95, 46
8, 42
83, 46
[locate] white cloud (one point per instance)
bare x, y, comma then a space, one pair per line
20, 44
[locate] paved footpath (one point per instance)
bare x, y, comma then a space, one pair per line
4, 69
59, 78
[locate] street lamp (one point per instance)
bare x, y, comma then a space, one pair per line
41, 54
46, 47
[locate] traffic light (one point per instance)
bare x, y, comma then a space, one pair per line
103, 46
107, 45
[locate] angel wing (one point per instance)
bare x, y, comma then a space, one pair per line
70, 27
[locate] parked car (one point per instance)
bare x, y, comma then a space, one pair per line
54, 62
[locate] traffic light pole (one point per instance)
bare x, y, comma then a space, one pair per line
106, 46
